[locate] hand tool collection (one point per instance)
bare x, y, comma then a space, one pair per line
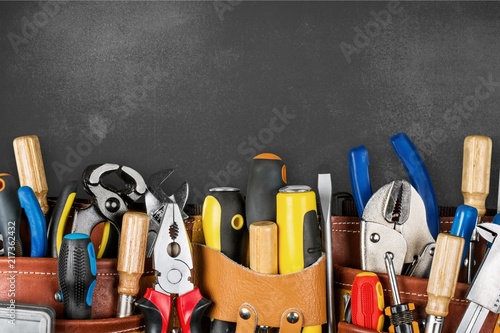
273, 229
400, 235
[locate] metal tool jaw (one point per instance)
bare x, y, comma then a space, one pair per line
394, 220
172, 256
484, 293
156, 198
108, 204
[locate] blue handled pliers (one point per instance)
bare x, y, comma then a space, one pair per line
415, 167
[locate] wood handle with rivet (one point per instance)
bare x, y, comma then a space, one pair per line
476, 171
30, 167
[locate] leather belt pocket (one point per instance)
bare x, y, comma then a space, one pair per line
346, 252
267, 296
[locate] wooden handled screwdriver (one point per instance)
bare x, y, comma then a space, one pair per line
30, 167
476, 185
131, 257
445, 267
263, 252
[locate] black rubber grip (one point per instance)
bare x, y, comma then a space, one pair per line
76, 273
264, 181
311, 238
197, 316
10, 214
152, 315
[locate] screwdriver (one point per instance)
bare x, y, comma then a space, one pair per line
131, 257
299, 234
446, 266
263, 252
30, 167
10, 214
476, 185
400, 313
76, 272
267, 175
224, 230
367, 301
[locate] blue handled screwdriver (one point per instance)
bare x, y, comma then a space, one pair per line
77, 269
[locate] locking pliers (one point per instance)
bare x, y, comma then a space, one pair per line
394, 221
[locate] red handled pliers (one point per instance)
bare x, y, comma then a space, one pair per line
172, 261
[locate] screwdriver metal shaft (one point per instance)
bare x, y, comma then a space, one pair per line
400, 313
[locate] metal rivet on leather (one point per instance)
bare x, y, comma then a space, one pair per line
245, 314
292, 317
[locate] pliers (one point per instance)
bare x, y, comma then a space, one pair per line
108, 204
173, 262
415, 167
155, 199
394, 221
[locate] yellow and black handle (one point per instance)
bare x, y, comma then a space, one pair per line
267, 175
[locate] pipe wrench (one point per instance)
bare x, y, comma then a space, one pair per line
394, 221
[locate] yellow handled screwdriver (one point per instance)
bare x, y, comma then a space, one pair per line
476, 185
299, 234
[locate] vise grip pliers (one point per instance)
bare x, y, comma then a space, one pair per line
415, 167
394, 221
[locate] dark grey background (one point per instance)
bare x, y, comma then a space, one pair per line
192, 84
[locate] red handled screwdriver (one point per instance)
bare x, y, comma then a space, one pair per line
367, 301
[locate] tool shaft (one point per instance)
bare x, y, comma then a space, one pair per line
392, 278
30, 167
131, 257
325, 195
400, 313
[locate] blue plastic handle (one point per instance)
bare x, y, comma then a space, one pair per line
360, 177
419, 178
36, 219
464, 224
